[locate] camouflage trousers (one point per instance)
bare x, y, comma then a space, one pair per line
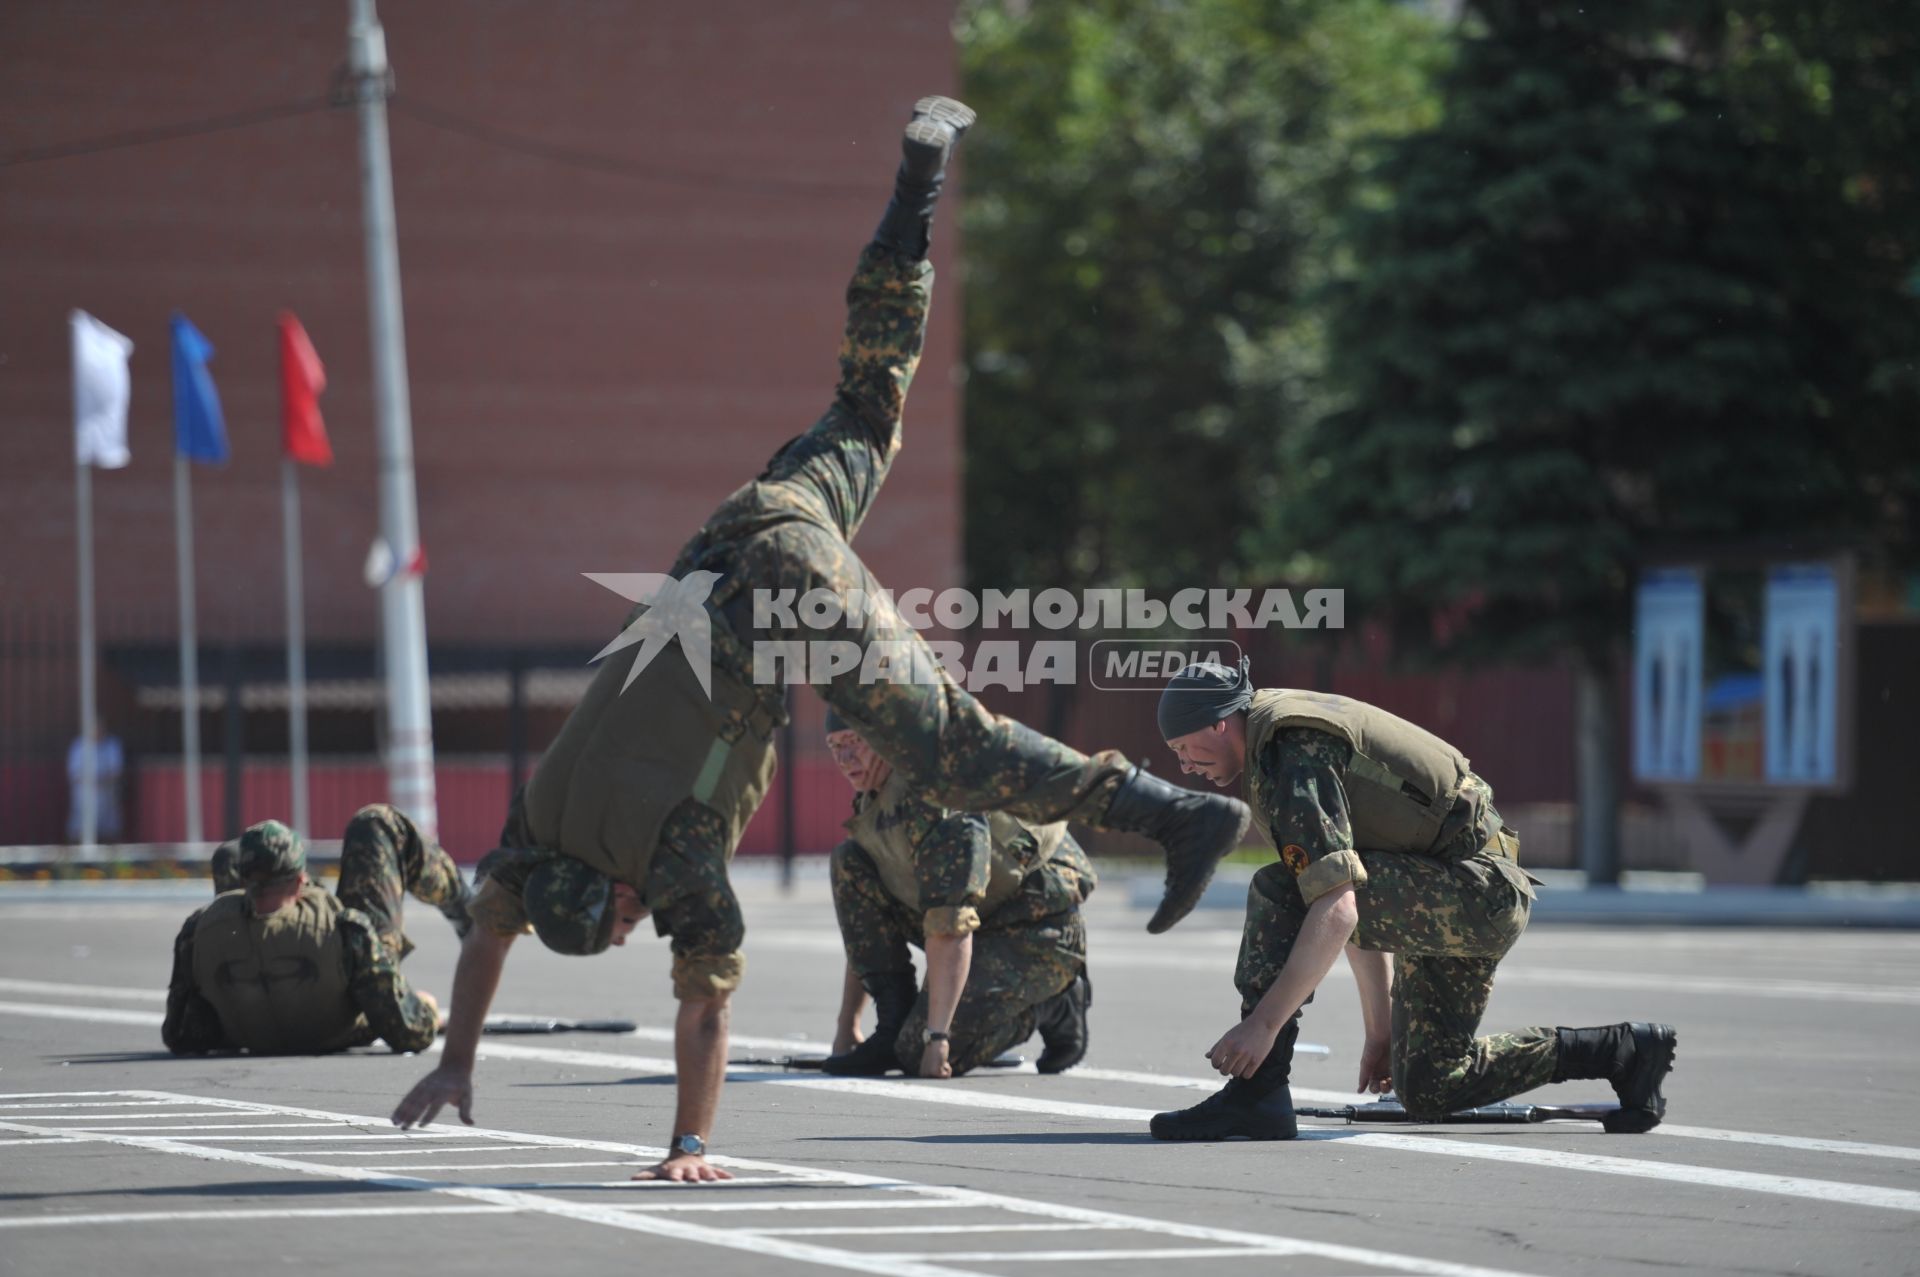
1447, 924
383, 859
1031, 948
957, 753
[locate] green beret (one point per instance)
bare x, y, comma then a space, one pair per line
269, 853
570, 905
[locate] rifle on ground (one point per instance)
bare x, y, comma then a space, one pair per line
1006, 1061
543, 1024
1608, 1115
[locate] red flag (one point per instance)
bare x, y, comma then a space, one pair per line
302, 378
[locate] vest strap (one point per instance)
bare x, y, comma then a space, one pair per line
709, 778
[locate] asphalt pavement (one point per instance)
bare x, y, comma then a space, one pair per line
1792, 1145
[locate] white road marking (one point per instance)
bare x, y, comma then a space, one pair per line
92, 1015
217, 1126
113, 1117
880, 1230
1077, 1256
88, 1104
801, 1204
926, 1195
440, 1151
502, 1166
182, 1216
946, 1093
83, 990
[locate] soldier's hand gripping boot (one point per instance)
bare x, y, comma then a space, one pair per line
1248, 1108
1635, 1057
1195, 829
935, 130
893, 996
1062, 1021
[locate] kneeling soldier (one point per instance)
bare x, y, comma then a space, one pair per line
992, 901
1391, 848
278, 965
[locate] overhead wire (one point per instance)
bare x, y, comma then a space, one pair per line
167, 132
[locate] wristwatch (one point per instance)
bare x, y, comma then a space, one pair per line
691, 1145
930, 1036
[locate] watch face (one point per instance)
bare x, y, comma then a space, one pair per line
689, 1144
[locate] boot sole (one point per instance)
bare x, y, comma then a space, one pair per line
1655, 1048
1217, 1134
955, 113
1171, 910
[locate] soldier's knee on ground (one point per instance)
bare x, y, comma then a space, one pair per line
1426, 1092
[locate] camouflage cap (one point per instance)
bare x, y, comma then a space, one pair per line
570, 905
269, 853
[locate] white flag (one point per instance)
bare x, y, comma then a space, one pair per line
101, 388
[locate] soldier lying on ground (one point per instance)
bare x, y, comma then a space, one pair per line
993, 902
1391, 848
279, 965
638, 805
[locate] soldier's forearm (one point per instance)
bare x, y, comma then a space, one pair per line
949, 960
853, 1000
1373, 975
476, 977
700, 1060
1328, 926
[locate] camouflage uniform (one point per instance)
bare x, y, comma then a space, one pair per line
789, 530
383, 857
1447, 916
1025, 950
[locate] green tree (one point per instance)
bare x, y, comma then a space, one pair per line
1149, 202
1640, 286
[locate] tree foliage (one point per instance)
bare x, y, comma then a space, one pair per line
1150, 200
1645, 284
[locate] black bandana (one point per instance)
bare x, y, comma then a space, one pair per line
1201, 695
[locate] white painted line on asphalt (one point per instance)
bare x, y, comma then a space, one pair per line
1662, 982
393, 1138
803, 1204
504, 1166
1853, 1148
92, 1015
1078, 1256
947, 1093
183, 1216
119, 1117
216, 1126
440, 1151
880, 1230
83, 990
87, 1104
930, 1196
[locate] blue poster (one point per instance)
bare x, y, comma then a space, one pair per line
1802, 658
1668, 651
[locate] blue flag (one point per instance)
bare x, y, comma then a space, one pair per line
199, 431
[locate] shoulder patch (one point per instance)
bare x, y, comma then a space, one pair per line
1294, 857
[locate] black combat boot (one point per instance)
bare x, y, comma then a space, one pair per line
1253, 1108
937, 126
1635, 1057
1062, 1021
893, 996
1195, 829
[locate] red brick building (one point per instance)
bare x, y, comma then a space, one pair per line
624, 231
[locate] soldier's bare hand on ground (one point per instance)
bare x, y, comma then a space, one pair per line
934, 1061
1239, 1052
435, 1091
685, 1168
845, 1039
1376, 1066
433, 1004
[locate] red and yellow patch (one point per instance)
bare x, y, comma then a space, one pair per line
1295, 858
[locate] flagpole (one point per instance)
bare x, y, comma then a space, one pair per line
403, 627
296, 645
89, 752
189, 647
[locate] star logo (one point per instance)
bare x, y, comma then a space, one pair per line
673, 609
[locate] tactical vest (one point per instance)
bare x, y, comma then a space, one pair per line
279, 983
626, 758
1401, 784
880, 825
